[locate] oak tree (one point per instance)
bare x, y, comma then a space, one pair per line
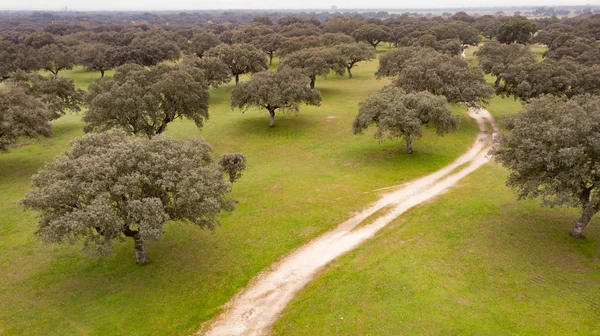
399, 114
553, 153
517, 29
202, 42
443, 75
315, 61
110, 186
144, 101
240, 58
58, 93
21, 115
372, 34
283, 90
353, 53
98, 57
215, 71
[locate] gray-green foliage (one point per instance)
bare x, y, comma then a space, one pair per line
110, 186
285, 90
144, 101
372, 34
400, 114
241, 58
202, 42
517, 29
552, 150
440, 74
58, 93
315, 61
262, 37
496, 58
392, 62
527, 80
233, 165
215, 71
21, 115
353, 53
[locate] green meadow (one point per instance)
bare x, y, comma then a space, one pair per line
304, 176
475, 261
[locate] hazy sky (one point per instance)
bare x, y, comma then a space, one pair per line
264, 4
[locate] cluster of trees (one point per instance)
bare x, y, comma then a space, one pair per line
109, 187
551, 147
570, 67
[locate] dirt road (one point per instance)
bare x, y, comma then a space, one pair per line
256, 308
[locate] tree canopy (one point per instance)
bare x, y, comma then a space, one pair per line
144, 101
400, 114
443, 75
58, 93
215, 71
315, 61
372, 34
240, 58
202, 42
110, 186
98, 56
496, 58
21, 115
283, 90
553, 153
353, 53
517, 29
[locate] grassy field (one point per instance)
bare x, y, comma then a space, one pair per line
473, 262
304, 176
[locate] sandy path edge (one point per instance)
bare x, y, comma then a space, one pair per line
257, 307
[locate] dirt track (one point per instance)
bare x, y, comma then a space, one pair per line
256, 308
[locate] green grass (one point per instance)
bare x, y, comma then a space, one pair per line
538, 50
475, 261
82, 77
304, 176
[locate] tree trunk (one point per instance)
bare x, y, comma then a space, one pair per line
586, 216
237, 79
140, 251
349, 72
312, 81
409, 148
272, 118
270, 58
497, 82
102, 73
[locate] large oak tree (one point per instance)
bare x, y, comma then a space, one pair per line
144, 101
110, 186
552, 150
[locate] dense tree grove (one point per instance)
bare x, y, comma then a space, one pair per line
127, 179
421, 69
517, 29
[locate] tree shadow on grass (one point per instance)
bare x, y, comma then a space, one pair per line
286, 125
